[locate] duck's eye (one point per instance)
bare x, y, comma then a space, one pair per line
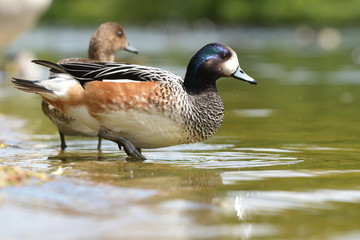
225, 55
120, 33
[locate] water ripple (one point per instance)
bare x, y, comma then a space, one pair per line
224, 157
270, 202
232, 176
198, 155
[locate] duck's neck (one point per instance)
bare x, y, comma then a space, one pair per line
206, 101
198, 80
207, 112
100, 52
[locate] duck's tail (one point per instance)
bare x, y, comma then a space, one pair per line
29, 86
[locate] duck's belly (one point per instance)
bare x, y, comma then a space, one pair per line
72, 127
83, 121
151, 129
66, 124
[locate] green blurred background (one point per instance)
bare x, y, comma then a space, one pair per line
238, 12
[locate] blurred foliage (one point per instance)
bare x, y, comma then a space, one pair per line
264, 12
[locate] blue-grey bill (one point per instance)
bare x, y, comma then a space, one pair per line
130, 48
240, 74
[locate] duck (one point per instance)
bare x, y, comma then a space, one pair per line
141, 107
107, 39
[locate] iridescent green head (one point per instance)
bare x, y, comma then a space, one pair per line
210, 63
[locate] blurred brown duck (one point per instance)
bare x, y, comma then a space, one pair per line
108, 38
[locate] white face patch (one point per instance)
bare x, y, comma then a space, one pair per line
230, 66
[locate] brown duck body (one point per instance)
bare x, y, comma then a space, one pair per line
108, 38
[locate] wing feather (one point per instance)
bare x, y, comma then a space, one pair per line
116, 72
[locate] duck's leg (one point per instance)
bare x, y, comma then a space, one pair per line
130, 150
62, 139
99, 143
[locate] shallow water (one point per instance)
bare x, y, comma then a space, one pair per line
284, 165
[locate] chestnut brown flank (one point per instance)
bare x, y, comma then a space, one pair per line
110, 96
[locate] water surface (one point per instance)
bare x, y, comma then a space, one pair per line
284, 165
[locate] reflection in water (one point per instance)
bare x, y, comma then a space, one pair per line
270, 202
239, 207
286, 156
160, 193
8, 133
225, 156
254, 112
231, 177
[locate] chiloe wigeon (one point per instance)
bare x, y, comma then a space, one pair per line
139, 106
108, 38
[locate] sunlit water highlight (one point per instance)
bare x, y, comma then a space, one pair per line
284, 165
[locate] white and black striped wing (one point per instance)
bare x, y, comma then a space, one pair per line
121, 71
114, 72
106, 71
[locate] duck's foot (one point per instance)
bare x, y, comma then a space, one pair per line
130, 150
99, 143
62, 139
